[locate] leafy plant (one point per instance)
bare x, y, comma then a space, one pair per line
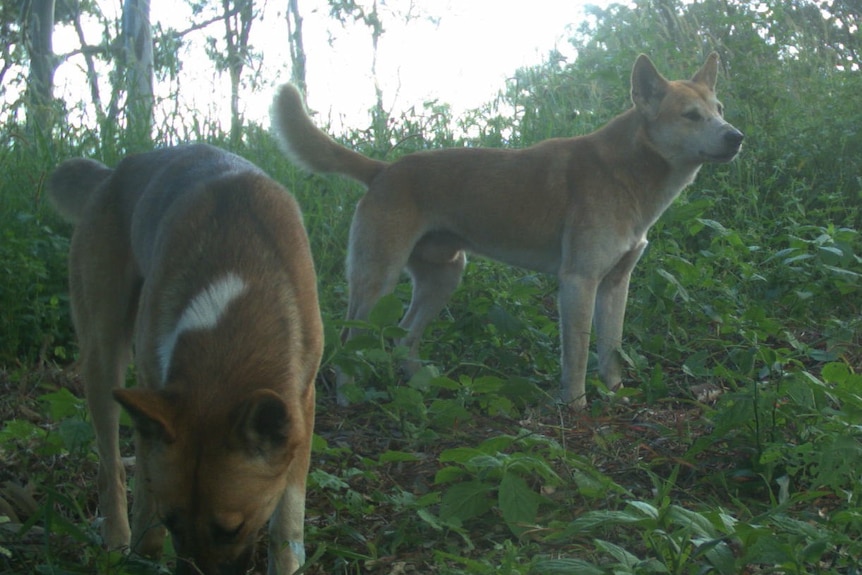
489, 479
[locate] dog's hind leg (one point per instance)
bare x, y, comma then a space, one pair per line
436, 267
103, 366
104, 289
381, 241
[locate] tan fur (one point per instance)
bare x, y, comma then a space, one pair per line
224, 408
576, 207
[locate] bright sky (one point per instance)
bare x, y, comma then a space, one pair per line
462, 59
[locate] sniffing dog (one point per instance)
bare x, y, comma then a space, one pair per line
576, 207
198, 260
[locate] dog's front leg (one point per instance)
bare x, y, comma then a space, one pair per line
105, 354
286, 526
610, 313
148, 533
99, 376
576, 301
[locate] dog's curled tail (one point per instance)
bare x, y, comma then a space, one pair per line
309, 147
72, 184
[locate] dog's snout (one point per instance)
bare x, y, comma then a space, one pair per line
734, 137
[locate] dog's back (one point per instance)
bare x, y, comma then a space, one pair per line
160, 174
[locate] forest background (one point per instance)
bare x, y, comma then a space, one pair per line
740, 447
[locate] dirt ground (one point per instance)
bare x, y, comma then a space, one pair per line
622, 441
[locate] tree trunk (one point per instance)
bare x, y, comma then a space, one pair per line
297, 47
40, 85
138, 64
379, 115
238, 20
92, 76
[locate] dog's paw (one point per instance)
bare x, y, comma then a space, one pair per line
574, 405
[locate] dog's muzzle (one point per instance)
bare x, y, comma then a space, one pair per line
733, 139
732, 143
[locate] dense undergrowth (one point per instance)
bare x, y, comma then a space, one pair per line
738, 448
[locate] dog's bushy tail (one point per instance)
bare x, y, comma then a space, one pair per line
72, 183
309, 147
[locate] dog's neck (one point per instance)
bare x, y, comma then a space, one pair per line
652, 181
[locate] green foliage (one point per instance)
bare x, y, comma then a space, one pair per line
34, 315
64, 434
34, 321
486, 479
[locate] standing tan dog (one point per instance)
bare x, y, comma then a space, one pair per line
578, 207
201, 261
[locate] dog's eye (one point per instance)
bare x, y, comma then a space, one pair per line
721, 110
223, 536
693, 115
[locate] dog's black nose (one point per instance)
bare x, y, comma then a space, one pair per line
734, 137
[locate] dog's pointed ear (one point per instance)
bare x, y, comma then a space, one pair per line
648, 86
262, 424
708, 73
152, 412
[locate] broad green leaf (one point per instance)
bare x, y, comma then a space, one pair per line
396, 456
449, 474
623, 556
507, 323
592, 485
848, 274
76, 434
719, 554
717, 226
487, 384
459, 455
445, 413
361, 342
690, 519
326, 480
771, 549
813, 552
832, 250
387, 311
683, 293
839, 373
465, 501
648, 509
517, 501
430, 519
62, 404
587, 522
564, 567
485, 462
497, 444
801, 393
443, 382
796, 259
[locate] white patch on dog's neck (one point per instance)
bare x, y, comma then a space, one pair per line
203, 312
